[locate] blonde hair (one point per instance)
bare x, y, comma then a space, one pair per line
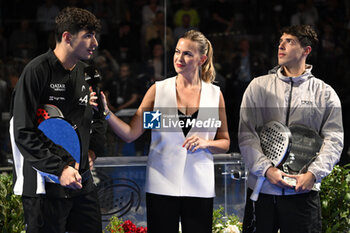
207, 72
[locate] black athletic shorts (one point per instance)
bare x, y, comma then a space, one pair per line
300, 213
59, 215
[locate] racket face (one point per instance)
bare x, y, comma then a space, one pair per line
306, 144
275, 140
61, 132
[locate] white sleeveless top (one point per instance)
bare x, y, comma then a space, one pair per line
171, 169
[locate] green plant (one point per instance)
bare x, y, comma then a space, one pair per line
114, 225
335, 200
225, 224
11, 210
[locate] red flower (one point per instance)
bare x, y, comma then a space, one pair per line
141, 230
129, 227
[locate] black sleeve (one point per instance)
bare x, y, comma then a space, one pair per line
35, 147
98, 135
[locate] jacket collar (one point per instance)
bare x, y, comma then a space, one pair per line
306, 75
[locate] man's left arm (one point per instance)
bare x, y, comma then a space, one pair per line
333, 135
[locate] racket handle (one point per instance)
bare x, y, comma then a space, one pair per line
257, 188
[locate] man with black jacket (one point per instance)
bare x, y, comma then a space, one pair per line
57, 78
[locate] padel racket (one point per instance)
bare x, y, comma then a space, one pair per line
61, 132
304, 150
275, 141
46, 111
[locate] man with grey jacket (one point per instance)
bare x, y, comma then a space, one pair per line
291, 95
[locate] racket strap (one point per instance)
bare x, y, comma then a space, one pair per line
253, 223
85, 175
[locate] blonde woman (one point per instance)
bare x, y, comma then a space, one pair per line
180, 170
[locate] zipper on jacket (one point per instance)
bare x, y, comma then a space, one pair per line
289, 101
288, 111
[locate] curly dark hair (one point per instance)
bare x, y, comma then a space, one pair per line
305, 34
73, 20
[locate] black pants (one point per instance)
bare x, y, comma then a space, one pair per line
299, 213
58, 215
165, 212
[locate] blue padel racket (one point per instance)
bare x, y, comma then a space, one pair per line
61, 132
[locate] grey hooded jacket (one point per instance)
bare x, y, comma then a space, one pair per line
303, 100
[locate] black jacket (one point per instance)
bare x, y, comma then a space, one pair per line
45, 81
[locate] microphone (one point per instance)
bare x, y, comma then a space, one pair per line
93, 78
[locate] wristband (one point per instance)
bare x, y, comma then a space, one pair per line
107, 114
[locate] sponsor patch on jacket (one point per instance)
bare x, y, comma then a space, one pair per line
56, 98
306, 102
58, 86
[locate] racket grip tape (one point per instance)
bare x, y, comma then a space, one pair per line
255, 194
